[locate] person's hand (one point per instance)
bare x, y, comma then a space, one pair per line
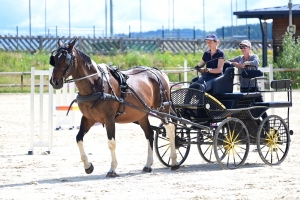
198, 67
203, 70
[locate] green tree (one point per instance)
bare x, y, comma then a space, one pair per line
289, 57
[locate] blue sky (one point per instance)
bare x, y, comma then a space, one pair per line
85, 14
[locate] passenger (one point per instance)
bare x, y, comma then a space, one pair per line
214, 59
247, 61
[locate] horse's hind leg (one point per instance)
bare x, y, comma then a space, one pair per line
85, 126
170, 129
145, 125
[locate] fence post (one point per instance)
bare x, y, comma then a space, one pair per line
40, 38
121, 44
22, 81
158, 43
185, 73
79, 43
270, 80
199, 43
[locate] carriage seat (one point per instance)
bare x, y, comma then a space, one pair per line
279, 85
224, 83
223, 90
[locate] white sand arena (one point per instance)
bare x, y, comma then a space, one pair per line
61, 175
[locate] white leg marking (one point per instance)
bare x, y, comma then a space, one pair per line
112, 148
84, 158
170, 129
150, 156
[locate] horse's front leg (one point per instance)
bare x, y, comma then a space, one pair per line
170, 129
110, 130
85, 126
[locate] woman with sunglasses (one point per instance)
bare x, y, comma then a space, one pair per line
214, 59
247, 61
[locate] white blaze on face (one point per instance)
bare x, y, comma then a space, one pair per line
170, 129
112, 148
83, 156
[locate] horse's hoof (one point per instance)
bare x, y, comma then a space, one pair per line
112, 174
147, 169
90, 169
175, 167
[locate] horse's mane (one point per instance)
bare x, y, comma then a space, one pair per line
87, 60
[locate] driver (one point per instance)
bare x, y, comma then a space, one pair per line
214, 60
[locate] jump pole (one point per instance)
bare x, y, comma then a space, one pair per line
63, 98
41, 143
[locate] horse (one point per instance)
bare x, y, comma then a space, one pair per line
103, 97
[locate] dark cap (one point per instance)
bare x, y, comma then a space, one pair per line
211, 37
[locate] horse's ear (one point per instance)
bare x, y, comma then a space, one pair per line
60, 43
73, 43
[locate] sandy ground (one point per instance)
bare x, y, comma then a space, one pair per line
60, 175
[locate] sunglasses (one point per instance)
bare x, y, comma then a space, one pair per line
243, 47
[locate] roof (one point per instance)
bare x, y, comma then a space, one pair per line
269, 13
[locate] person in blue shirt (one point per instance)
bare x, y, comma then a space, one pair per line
214, 59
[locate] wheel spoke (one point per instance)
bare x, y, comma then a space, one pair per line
163, 146
165, 151
235, 143
164, 138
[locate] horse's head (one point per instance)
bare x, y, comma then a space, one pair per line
63, 61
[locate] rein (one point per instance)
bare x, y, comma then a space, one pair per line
79, 79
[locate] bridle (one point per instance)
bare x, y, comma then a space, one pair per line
69, 60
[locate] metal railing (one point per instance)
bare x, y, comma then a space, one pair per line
103, 45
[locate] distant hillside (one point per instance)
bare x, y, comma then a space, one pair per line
227, 32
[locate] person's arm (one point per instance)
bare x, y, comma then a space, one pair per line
201, 65
238, 65
234, 61
231, 60
253, 61
217, 70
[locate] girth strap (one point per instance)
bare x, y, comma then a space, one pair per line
98, 96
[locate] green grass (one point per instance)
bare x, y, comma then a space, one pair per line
23, 61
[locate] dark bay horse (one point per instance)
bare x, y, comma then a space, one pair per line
100, 99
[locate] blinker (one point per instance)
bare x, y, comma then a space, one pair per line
52, 61
67, 60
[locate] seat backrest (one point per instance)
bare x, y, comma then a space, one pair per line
281, 84
224, 83
252, 73
226, 65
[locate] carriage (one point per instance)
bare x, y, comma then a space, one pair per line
222, 123
231, 123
